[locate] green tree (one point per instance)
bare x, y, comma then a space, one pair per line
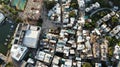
119, 43
87, 25
116, 2
112, 40
86, 64
74, 5
4, 1
10, 64
9, 46
90, 25
103, 3
72, 14
49, 4
110, 51
18, 20
39, 22
114, 19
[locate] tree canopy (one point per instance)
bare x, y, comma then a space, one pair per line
49, 4
72, 14
116, 2
103, 3
87, 65
9, 64
74, 4
110, 51
114, 19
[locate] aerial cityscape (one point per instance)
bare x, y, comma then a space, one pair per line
59, 33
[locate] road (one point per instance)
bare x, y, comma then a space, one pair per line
47, 24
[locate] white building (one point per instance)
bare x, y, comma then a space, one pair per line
106, 18
18, 52
45, 57
93, 6
115, 30
118, 35
79, 64
2, 17
40, 56
56, 60
117, 52
80, 47
68, 63
97, 31
81, 3
40, 64
55, 65
48, 58
32, 36
103, 26
98, 65
81, 20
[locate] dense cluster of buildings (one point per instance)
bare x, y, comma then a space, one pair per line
103, 27
55, 13
70, 46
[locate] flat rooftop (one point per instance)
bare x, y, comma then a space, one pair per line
2, 17
18, 52
31, 38
27, 35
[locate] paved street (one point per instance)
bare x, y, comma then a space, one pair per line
47, 24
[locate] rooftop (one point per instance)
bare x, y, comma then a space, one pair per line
18, 52
31, 38
27, 35
2, 17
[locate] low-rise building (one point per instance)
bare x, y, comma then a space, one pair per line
106, 17
68, 63
18, 52
40, 56
80, 46
96, 50
98, 65
48, 58
115, 31
81, 3
79, 64
104, 51
44, 57
116, 52
56, 60
94, 6
40, 64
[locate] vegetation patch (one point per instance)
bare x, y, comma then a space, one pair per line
49, 4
